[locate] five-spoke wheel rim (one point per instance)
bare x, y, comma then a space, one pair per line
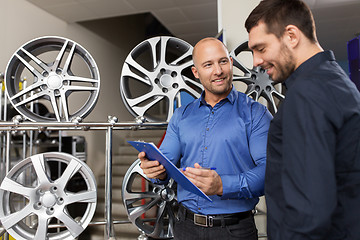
57, 72
29, 205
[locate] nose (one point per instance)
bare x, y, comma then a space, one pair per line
257, 60
217, 69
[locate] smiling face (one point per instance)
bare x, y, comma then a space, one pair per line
271, 53
213, 66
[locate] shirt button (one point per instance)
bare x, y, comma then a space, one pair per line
212, 112
205, 148
207, 129
199, 208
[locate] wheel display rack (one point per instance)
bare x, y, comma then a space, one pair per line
52, 63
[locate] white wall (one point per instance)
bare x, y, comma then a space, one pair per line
21, 22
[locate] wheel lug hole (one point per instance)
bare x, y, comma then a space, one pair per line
257, 88
253, 77
44, 86
60, 200
262, 70
58, 71
268, 88
57, 92
157, 81
175, 85
40, 192
165, 90
45, 74
162, 71
50, 210
173, 74
37, 205
53, 189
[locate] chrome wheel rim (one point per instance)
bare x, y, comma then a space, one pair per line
29, 206
156, 78
258, 82
59, 73
161, 199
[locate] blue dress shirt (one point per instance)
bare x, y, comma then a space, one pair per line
231, 136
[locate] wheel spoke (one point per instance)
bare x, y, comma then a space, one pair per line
153, 42
36, 60
61, 54
80, 88
159, 223
131, 62
199, 85
135, 101
64, 104
70, 171
55, 106
182, 57
138, 211
29, 67
15, 187
132, 197
74, 228
31, 99
81, 79
69, 58
26, 90
12, 219
39, 166
129, 73
84, 197
42, 227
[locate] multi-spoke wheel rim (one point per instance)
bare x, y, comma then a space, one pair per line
59, 73
28, 206
160, 199
258, 82
156, 78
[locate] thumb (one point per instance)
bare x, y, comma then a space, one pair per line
196, 165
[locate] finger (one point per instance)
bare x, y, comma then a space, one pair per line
141, 155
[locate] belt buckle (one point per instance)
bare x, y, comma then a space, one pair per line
203, 220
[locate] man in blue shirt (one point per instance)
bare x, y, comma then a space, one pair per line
223, 129
312, 183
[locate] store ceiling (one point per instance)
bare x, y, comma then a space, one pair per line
338, 21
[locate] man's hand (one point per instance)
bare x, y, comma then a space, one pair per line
152, 169
207, 180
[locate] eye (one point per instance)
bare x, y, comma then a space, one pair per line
224, 61
207, 65
261, 49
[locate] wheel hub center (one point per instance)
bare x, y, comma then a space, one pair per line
54, 82
167, 194
166, 80
48, 200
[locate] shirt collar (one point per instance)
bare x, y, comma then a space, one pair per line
231, 97
308, 65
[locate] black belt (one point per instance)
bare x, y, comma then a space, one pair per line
214, 220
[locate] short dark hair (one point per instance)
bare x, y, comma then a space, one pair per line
277, 14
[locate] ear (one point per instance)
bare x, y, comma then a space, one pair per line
292, 35
195, 71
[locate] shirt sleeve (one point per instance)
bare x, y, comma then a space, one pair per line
250, 184
308, 172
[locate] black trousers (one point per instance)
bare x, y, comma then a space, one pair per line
185, 229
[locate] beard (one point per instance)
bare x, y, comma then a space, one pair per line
287, 65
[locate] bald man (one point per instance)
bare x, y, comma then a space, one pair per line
223, 130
